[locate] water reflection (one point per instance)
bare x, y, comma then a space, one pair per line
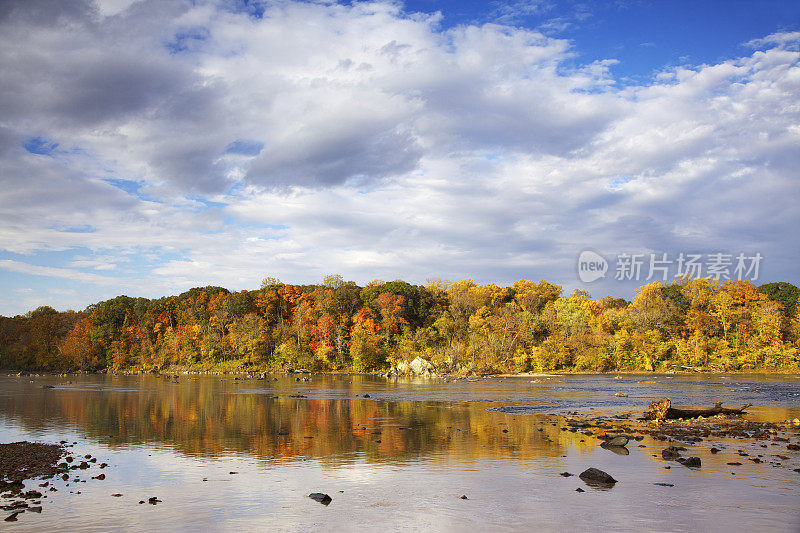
209, 416
233, 454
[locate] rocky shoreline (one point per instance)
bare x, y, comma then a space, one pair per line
773, 444
417, 368
23, 463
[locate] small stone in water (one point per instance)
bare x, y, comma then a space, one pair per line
324, 499
594, 475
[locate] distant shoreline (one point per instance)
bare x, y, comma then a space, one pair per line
255, 374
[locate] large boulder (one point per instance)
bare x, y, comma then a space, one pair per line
403, 367
420, 366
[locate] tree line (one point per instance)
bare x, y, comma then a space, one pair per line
460, 327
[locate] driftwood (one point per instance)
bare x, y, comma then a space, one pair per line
663, 410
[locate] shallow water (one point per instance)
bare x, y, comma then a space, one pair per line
398, 460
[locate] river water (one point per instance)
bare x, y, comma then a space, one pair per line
243, 454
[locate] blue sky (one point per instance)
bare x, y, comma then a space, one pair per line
645, 36
148, 146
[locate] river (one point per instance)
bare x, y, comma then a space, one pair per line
231, 454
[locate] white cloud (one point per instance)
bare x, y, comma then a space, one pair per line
54, 272
372, 143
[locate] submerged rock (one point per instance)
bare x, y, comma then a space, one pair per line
672, 453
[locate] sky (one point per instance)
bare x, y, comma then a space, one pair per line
151, 146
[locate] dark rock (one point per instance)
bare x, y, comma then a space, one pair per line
615, 440
366, 396
579, 490
324, 499
593, 476
13, 516
100, 477
735, 463
793, 447
671, 453
566, 474
233, 473
117, 495
664, 484
693, 462
464, 497
14, 506
153, 500
715, 450
37, 509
